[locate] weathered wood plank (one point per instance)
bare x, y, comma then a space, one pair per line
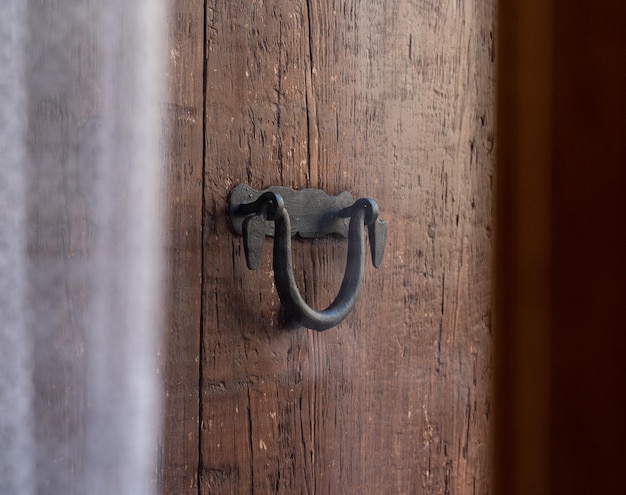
387, 99
183, 139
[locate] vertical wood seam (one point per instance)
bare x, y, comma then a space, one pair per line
311, 109
205, 60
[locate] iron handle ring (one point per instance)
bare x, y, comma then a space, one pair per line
295, 308
268, 213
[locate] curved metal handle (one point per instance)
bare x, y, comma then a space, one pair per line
363, 212
271, 206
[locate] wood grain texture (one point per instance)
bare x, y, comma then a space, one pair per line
389, 99
183, 131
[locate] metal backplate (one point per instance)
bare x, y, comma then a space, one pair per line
313, 213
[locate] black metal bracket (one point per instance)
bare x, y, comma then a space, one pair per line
313, 213
283, 212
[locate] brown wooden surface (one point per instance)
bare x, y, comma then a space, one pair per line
560, 261
389, 99
183, 130
588, 249
521, 455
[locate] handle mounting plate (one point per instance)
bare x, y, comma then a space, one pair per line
313, 213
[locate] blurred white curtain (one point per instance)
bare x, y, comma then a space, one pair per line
80, 245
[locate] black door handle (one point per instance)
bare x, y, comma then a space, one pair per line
314, 213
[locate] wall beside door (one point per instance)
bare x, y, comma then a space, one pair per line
387, 99
560, 425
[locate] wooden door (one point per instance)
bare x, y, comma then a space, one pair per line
387, 99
